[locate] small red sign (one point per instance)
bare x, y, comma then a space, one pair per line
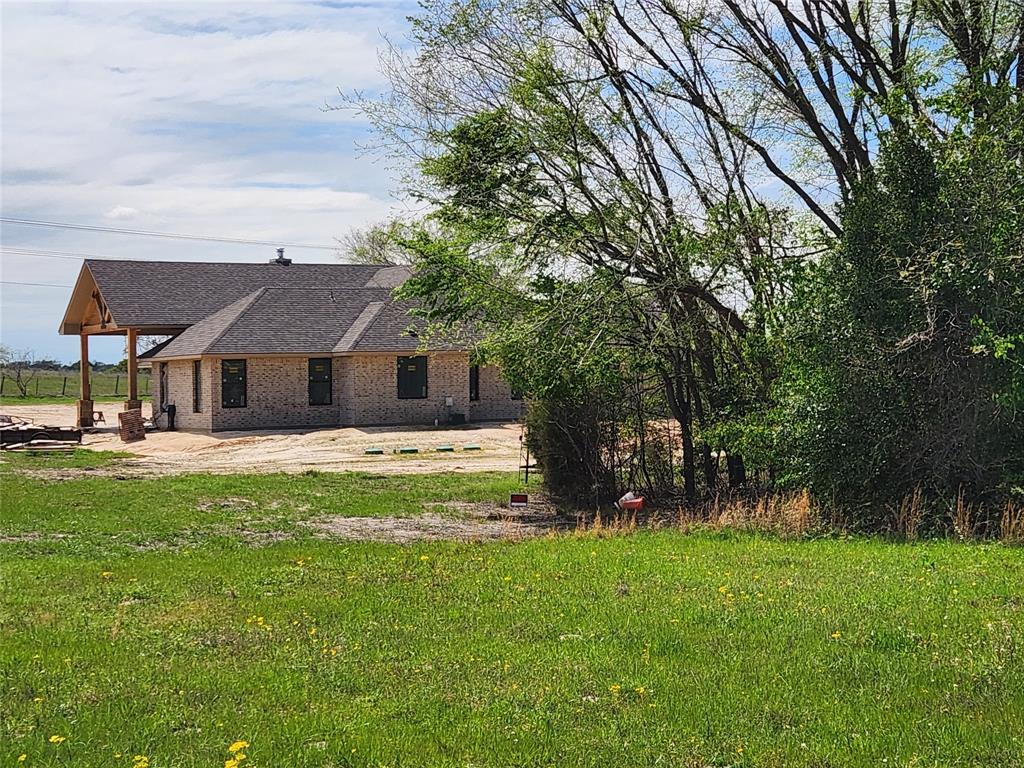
517, 500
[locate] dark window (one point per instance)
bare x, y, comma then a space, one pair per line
232, 383
197, 386
412, 378
320, 381
474, 382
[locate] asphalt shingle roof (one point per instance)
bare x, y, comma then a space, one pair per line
295, 320
260, 309
174, 293
300, 321
197, 338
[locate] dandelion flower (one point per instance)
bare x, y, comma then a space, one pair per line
238, 746
424, 558
22, 758
836, 635
55, 739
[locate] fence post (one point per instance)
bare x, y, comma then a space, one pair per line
3, 380
64, 387
37, 386
117, 382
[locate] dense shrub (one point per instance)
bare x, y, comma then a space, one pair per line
902, 374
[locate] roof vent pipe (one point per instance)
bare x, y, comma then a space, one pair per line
281, 259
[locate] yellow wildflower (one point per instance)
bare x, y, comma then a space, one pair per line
424, 558
238, 746
836, 635
55, 739
22, 758
107, 574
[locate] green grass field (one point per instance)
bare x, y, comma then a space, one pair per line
155, 622
64, 387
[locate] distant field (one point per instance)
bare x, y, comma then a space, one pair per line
55, 386
159, 622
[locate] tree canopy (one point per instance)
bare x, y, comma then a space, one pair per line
791, 229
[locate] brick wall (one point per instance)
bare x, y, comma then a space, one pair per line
180, 394
277, 395
371, 391
495, 403
365, 392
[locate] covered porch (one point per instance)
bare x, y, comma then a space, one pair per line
89, 315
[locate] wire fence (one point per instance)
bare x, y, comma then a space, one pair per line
69, 385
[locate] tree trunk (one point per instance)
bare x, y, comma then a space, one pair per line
737, 470
680, 408
710, 466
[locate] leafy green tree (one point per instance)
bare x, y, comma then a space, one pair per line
697, 195
903, 367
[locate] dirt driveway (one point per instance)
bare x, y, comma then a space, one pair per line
331, 450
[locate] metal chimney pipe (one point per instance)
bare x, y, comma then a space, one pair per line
281, 259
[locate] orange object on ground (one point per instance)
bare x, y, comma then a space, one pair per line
633, 505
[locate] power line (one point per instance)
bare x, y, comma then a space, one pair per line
37, 285
53, 254
171, 235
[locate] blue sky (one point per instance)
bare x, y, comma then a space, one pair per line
197, 118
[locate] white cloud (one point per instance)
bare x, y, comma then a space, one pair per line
121, 212
201, 118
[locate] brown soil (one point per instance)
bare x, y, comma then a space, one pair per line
330, 450
472, 522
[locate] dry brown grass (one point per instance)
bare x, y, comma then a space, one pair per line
601, 526
1011, 524
963, 514
784, 514
796, 514
909, 513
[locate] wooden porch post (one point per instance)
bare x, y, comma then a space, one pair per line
133, 403
85, 397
